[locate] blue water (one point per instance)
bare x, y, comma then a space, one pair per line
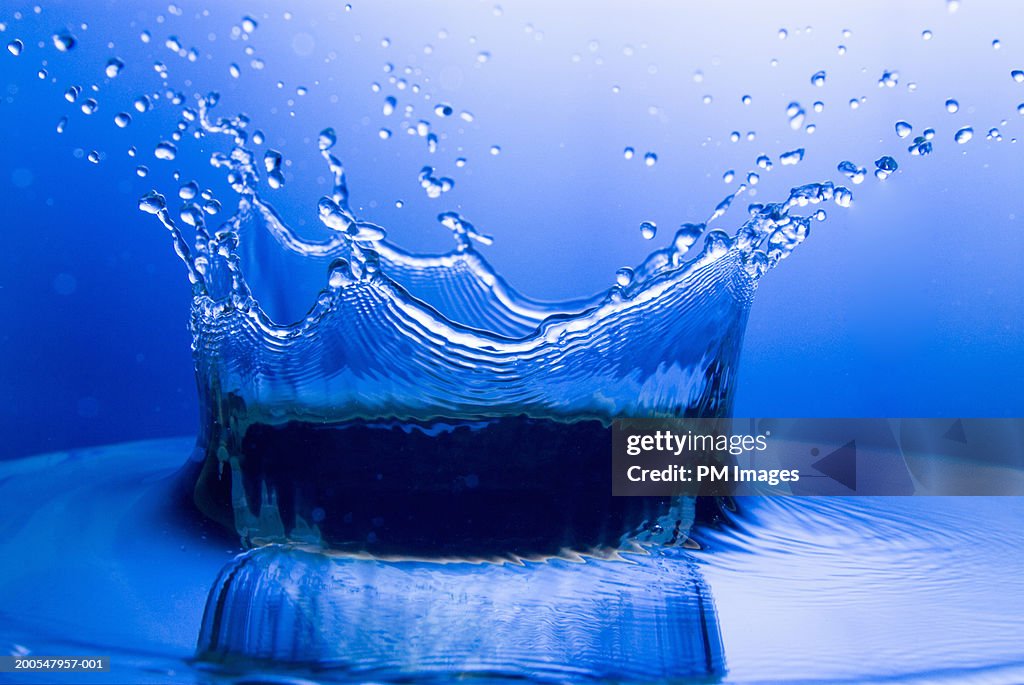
577, 124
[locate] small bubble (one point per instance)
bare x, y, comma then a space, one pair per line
952, 106
648, 230
963, 135
650, 159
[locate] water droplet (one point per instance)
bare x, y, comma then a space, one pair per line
234, 70
624, 276
783, 34
90, 106
326, 139
142, 171
841, 49
460, 162
952, 106
842, 196
796, 115
650, 159
62, 124
648, 230
257, 137
72, 93
443, 110
1017, 75
818, 79
114, 67
249, 24
996, 44
123, 119
1020, 109
15, 47
384, 134
389, 106
792, 157
889, 79
764, 162
852, 171
165, 151
926, 35
64, 41
753, 178
483, 57
188, 191
145, 36
628, 153
746, 99
495, 150
963, 135
728, 176
143, 103
152, 202
903, 129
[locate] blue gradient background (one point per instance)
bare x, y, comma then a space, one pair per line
907, 304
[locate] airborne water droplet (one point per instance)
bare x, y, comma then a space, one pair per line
818, 79
495, 150
15, 47
326, 139
852, 171
903, 129
249, 24
963, 135
624, 276
114, 67
650, 159
62, 124
792, 157
234, 70
143, 103
648, 229
628, 153
389, 106
152, 202
64, 41
443, 110
165, 151
123, 119
952, 106
90, 106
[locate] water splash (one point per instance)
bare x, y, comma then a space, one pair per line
456, 343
